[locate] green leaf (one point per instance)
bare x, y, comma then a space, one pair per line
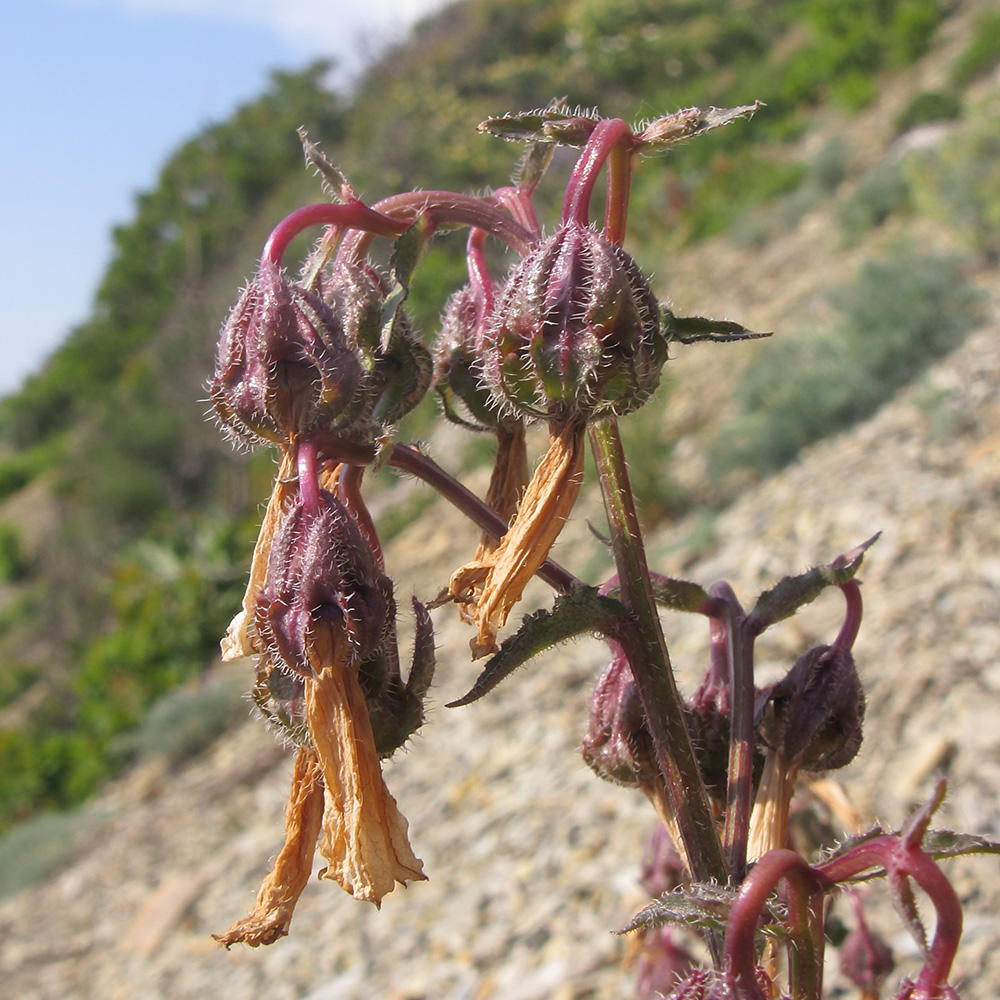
681, 595
792, 592
583, 610
406, 254
535, 162
336, 185
700, 905
691, 329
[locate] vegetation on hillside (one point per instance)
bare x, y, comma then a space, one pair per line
126, 592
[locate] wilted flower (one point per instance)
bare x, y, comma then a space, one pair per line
322, 615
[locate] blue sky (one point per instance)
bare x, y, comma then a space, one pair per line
96, 93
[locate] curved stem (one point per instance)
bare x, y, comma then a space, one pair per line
740, 952
517, 201
441, 208
852, 618
349, 494
353, 215
479, 275
606, 135
619, 192
895, 856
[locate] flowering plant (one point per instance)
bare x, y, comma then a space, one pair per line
324, 365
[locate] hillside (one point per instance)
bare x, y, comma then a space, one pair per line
857, 216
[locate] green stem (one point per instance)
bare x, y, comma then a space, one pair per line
650, 663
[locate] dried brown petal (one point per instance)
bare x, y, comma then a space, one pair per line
280, 891
546, 504
364, 834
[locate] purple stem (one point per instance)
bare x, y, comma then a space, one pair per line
734, 649
349, 494
896, 856
740, 952
606, 135
480, 278
308, 477
441, 208
409, 459
517, 201
852, 618
353, 215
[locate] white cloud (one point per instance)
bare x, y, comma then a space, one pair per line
313, 27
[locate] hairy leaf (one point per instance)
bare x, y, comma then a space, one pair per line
581, 611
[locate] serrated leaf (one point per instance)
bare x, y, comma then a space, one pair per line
689, 122
692, 329
940, 844
793, 592
681, 595
536, 161
579, 612
335, 183
422, 669
554, 124
406, 254
705, 906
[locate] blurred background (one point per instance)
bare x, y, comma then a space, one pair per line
150, 146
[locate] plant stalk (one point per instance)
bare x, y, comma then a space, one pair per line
650, 663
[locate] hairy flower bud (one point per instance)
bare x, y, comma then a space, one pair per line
865, 958
617, 744
397, 367
324, 600
817, 710
457, 365
576, 331
283, 365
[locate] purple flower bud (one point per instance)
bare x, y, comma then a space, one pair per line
865, 959
817, 710
283, 365
617, 744
325, 601
663, 964
576, 331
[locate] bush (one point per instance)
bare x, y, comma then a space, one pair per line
929, 106
898, 317
981, 54
881, 193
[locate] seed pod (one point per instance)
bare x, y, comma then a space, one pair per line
283, 366
576, 331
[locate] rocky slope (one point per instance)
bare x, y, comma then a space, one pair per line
531, 860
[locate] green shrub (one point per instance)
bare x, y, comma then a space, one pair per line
881, 193
929, 106
37, 847
187, 720
981, 54
14, 565
897, 317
